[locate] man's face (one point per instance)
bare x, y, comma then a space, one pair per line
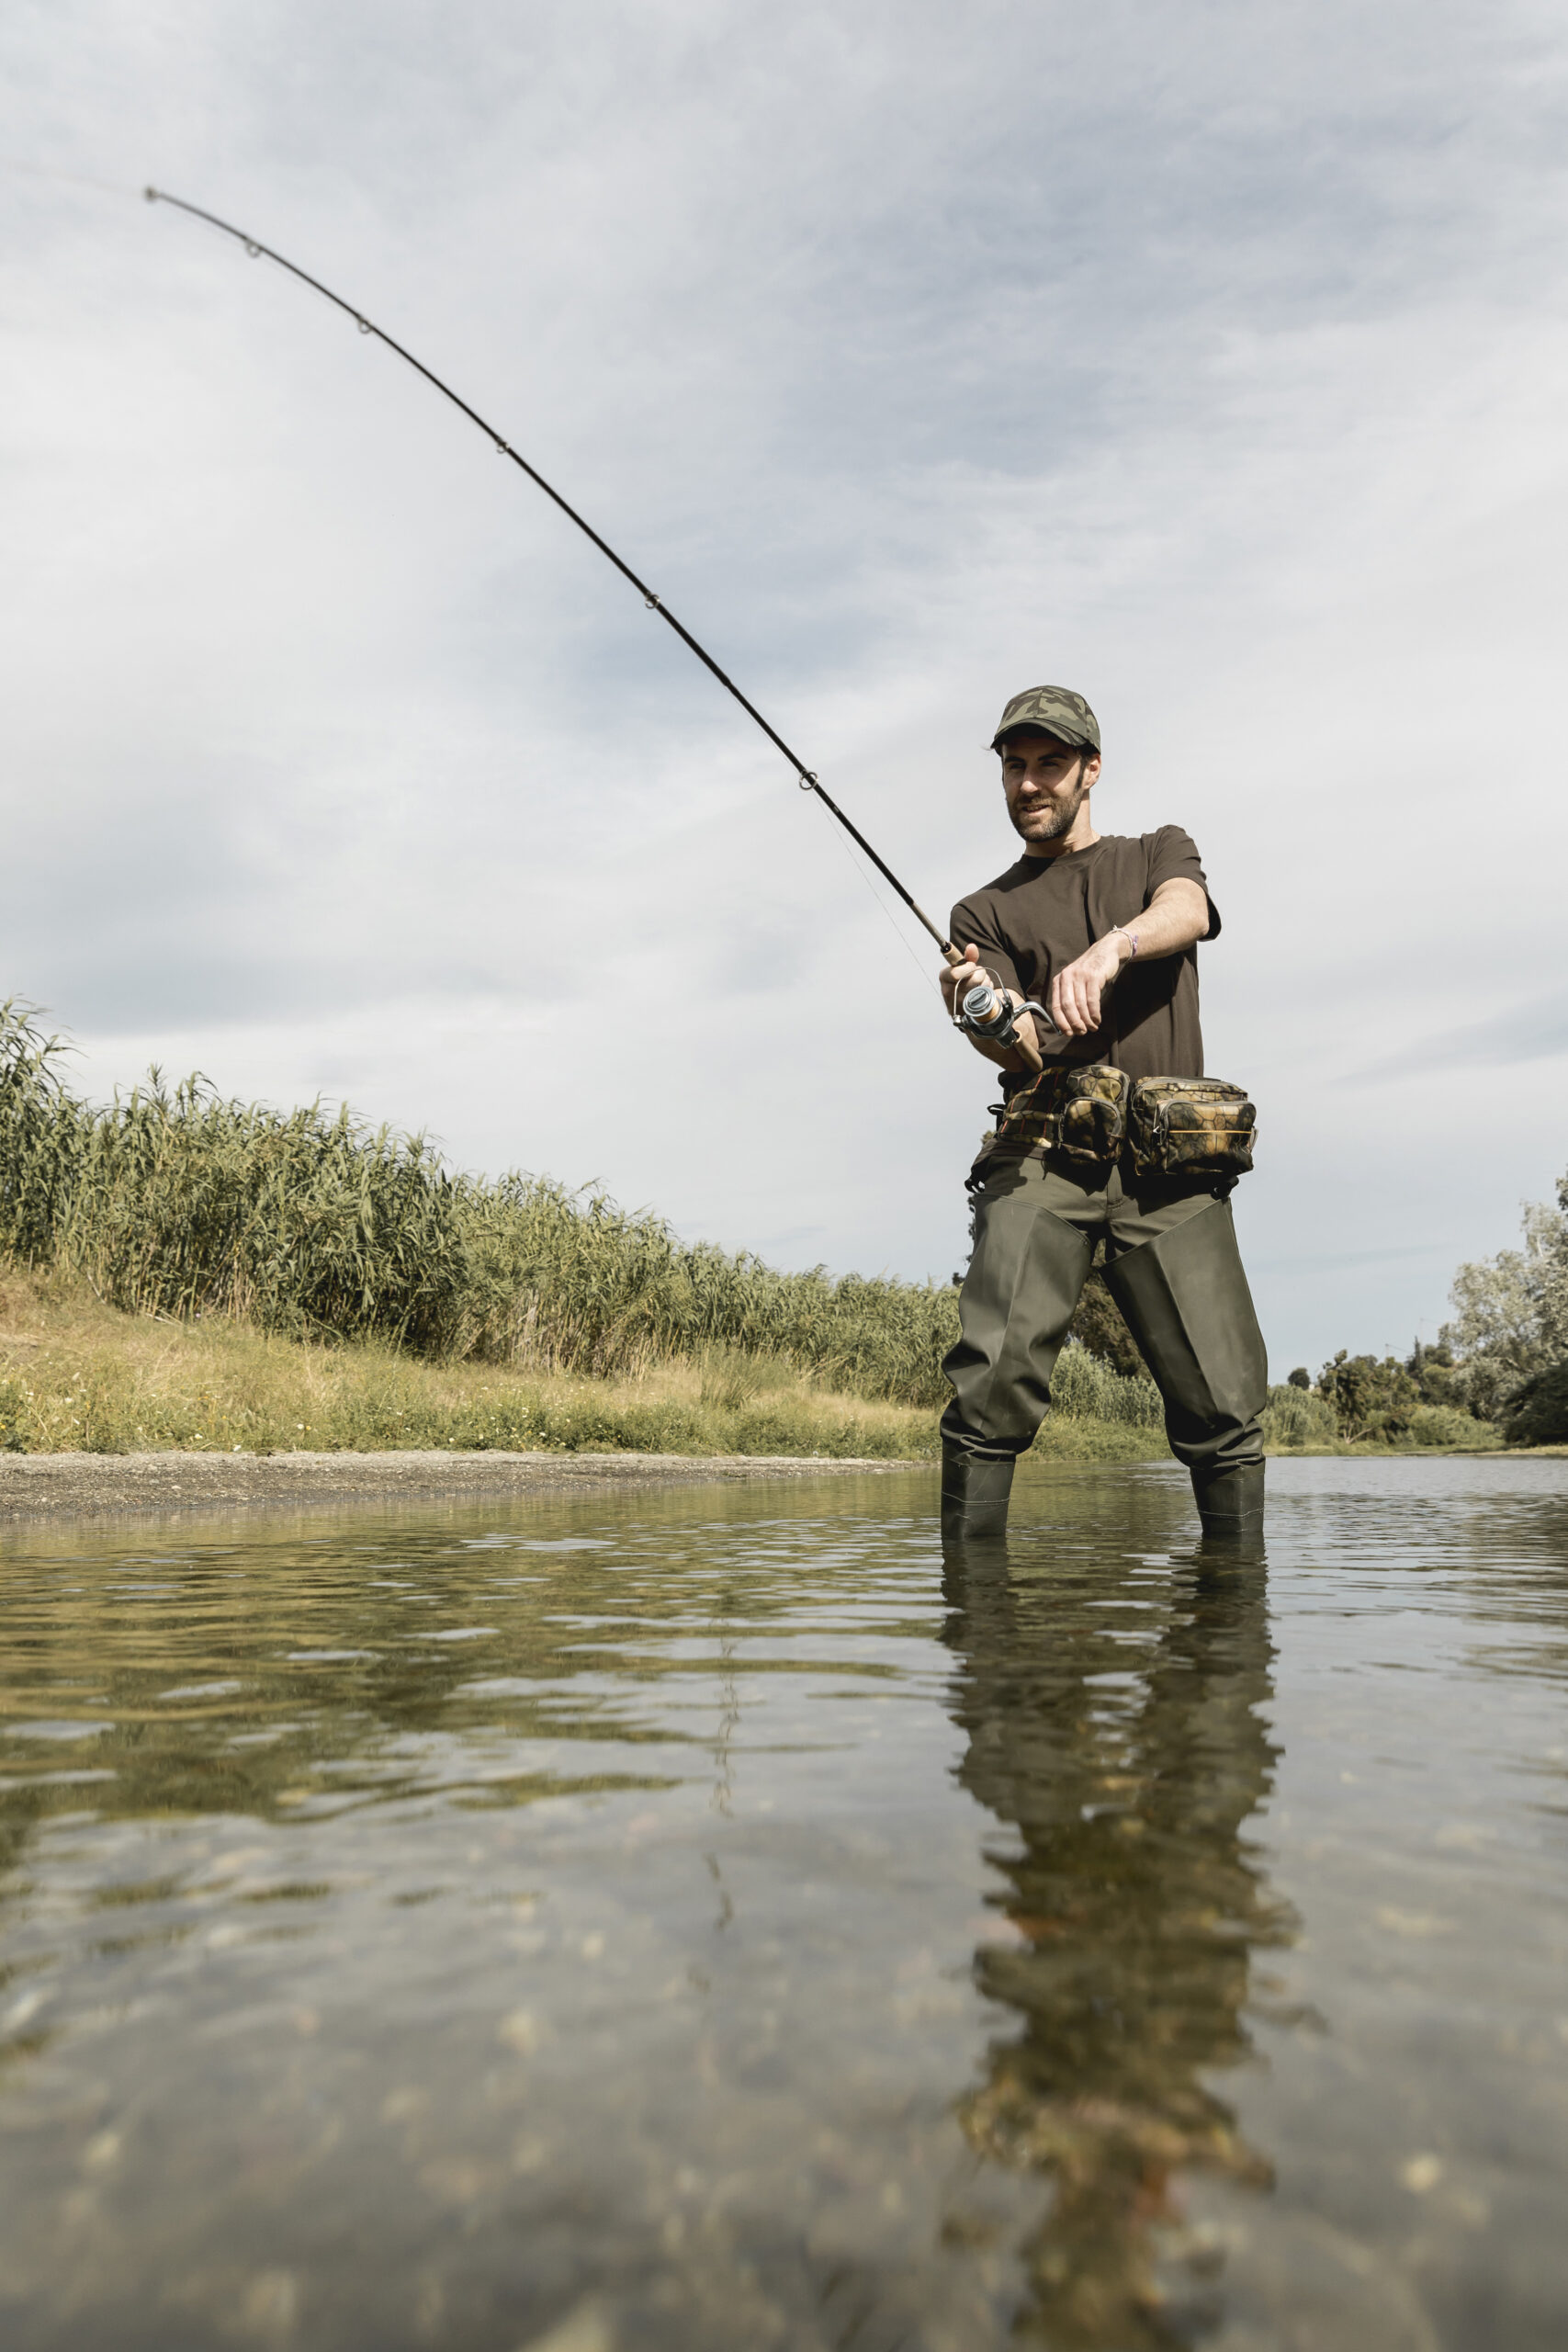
1045, 781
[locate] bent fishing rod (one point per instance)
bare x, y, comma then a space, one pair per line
985, 1011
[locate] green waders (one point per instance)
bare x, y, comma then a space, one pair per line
1173, 1268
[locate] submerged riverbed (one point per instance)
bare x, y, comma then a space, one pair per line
694, 1921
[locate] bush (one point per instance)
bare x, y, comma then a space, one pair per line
1447, 1425
1293, 1418
1085, 1388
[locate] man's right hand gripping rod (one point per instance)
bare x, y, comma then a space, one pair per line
984, 1012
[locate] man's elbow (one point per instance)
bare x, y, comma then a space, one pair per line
1195, 905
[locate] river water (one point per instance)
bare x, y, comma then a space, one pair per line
698, 1921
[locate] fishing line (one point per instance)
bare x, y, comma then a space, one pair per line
807, 777
70, 179
888, 916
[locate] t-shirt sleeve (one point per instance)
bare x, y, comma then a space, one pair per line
973, 924
1173, 856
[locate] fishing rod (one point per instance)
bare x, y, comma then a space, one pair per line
990, 1017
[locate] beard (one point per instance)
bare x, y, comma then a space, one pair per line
1047, 820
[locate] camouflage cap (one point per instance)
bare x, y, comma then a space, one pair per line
1055, 710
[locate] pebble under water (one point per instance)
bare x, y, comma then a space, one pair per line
694, 1921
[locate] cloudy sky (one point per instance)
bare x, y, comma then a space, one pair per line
1211, 358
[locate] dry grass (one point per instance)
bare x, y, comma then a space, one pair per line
75, 1373
78, 1375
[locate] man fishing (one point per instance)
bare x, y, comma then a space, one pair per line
1095, 1144
1115, 1138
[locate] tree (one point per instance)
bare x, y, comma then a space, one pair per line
1379, 1401
1538, 1412
1370, 1399
1511, 1324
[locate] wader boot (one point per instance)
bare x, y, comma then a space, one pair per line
1231, 1503
1185, 1298
975, 1491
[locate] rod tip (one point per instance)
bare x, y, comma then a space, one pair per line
151, 194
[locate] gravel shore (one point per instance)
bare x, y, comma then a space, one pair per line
78, 1486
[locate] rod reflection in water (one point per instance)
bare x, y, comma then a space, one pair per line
1128, 1769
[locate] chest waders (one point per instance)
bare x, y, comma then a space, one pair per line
1172, 1266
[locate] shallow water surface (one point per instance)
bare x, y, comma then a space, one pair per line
699, 1921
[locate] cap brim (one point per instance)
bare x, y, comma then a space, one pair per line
1038, 727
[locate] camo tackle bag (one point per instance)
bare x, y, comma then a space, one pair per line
1080, 1114
1190, 1127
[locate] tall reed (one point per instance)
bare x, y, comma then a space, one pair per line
173, 1200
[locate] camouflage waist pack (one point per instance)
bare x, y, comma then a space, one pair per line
1081, 1113
1172, 1127
1190, 1127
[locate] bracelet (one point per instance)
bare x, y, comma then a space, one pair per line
1129, 936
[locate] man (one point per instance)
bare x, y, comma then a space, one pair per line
1101, 930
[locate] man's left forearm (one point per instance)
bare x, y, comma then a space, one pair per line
1175, 918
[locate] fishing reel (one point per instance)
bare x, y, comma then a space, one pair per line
985, 1013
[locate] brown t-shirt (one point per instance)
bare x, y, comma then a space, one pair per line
1044, 911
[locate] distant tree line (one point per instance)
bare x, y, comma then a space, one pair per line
1386, 1401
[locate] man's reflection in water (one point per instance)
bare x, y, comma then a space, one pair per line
1128, 1767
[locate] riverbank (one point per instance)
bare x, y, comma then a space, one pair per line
94, 1486
78, 1377
87, 1486
238, 1414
